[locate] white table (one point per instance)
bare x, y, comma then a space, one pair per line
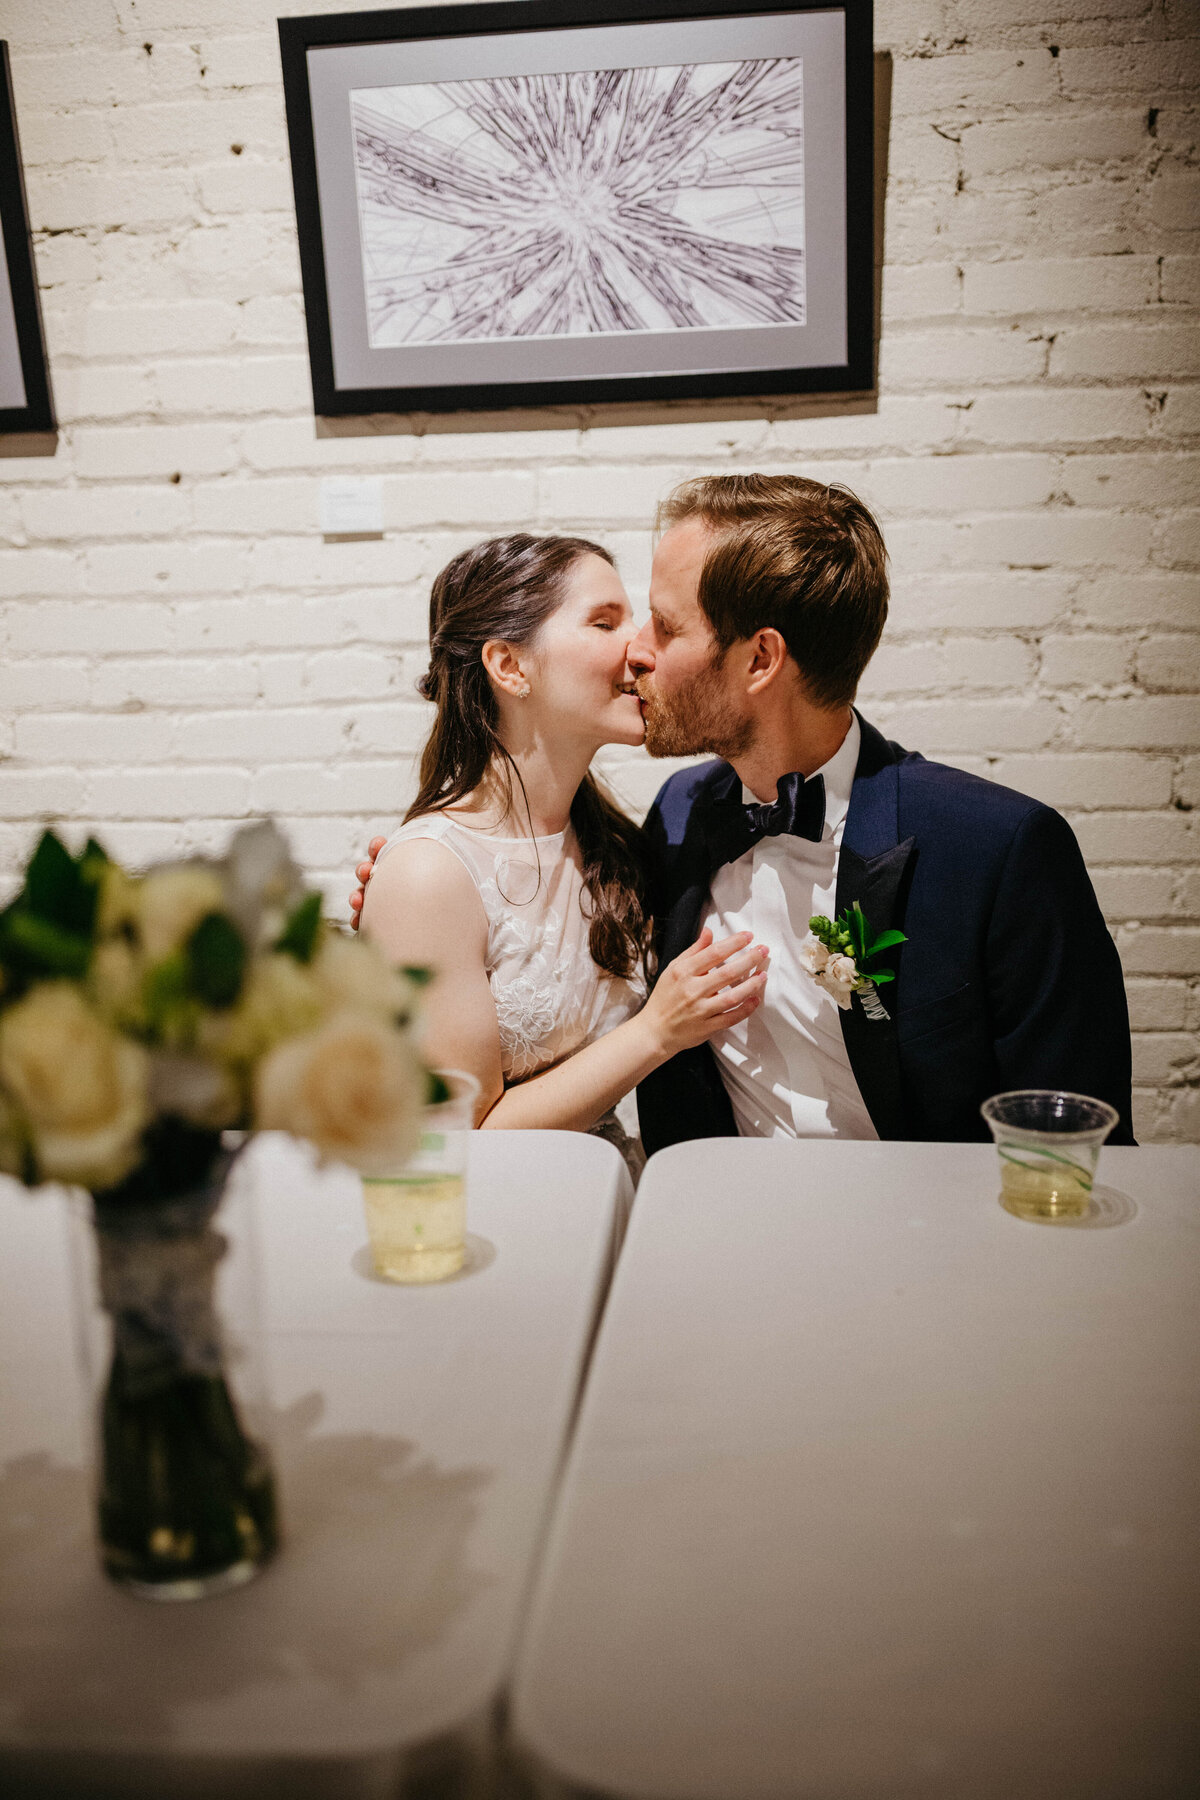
420, 1436
878, 1493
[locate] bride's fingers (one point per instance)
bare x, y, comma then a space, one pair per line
725, 974
738, 1000
703, 957
375, 846
363, 871
736, 1014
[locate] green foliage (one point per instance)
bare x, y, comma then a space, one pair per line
216, 961
34, 947
302, 930
420, 977
850, 935
170, 1009
48, 930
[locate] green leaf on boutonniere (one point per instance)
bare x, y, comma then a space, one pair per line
878, 975
216, 961
885, 940
302, 930
856, 920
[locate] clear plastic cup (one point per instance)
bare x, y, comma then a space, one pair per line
1049, 1145
417, 1217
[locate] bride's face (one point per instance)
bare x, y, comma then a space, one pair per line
580, 680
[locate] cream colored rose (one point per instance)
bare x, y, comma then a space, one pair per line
352, 972
119, 902
280, 999
81, 1087
115, 980
813, 954
353, 1088
172, 902
839, 978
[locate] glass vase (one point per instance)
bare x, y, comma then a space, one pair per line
185, 1493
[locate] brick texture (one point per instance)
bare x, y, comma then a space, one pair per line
180, 649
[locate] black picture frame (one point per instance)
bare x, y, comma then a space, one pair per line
351, 374
24, 372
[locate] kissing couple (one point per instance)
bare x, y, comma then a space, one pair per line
578, 957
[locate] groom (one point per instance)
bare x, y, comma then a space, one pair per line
768, 596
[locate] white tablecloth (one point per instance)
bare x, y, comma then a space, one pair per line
878, 1493
418, 1436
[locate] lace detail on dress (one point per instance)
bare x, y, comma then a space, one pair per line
550, 997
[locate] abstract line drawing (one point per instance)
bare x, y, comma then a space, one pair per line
600, 201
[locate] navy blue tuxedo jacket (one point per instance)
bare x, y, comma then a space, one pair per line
1009, 978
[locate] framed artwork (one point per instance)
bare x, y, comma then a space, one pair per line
25, 403
552, 201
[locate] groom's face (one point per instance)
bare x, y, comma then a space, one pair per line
686, 686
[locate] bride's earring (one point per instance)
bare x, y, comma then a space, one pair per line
524, 691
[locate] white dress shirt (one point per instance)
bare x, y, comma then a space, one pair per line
785, 1067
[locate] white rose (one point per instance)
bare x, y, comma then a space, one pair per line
120, 900
171, 903
839, 978
262, 884
81, 1087
837, 990
280, 1000
353, 972
115, 980
354, 1088
843, 970
813, 954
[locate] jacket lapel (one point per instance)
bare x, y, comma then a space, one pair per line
699, 859
871, 869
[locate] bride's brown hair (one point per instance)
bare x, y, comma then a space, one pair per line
507, 588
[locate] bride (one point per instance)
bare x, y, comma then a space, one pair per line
514, 877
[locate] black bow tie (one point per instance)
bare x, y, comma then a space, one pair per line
798, 810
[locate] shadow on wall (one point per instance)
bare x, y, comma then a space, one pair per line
652, 412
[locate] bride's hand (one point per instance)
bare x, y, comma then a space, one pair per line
706, 989
363, 871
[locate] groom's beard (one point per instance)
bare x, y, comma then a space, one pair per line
697, 719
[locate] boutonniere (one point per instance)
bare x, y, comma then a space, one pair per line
838, 953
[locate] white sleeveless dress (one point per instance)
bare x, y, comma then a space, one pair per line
551, 998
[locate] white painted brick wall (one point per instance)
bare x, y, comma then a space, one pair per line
180, 649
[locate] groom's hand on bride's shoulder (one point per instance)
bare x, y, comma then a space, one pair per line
364, 872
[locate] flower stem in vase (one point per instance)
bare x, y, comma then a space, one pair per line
187, 1499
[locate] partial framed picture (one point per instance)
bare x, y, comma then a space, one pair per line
551, 202
25, 403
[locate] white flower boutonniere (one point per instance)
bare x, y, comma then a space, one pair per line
837, 954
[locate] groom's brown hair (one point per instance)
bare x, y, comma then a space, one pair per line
798, 556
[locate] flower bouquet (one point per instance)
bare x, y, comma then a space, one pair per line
143, 1018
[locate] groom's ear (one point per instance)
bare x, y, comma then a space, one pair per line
767, 658
501, 662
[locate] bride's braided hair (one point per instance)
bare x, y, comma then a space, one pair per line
507, 587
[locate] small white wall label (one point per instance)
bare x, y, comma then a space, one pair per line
351, 506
